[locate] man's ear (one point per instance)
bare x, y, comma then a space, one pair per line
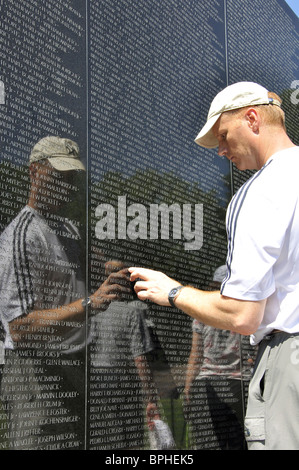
32, 170
253, 119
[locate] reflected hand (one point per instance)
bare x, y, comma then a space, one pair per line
152, 285
187, 395
152, 413
115, 287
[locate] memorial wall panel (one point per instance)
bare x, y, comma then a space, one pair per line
151, 202
105, 100
43, 73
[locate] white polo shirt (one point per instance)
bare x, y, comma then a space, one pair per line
263, 243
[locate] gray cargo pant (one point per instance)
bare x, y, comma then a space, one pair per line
272, 417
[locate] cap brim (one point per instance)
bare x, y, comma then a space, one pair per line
66, 164
206, 136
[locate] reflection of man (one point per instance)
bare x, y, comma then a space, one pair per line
260, 293
43, 299
121, 380
42, 264
213, 389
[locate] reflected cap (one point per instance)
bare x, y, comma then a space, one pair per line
238, 95
63, 154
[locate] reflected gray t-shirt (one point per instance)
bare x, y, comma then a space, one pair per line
120, 334
220, 353
39, 266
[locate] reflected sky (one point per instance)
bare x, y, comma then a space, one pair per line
294, 5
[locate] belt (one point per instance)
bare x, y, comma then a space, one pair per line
273, 332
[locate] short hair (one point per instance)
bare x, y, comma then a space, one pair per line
271, 114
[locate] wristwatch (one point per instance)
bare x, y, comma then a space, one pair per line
86, 302
173, 294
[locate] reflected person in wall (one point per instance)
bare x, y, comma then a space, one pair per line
213, 387
43, 304
121, 379
259, 296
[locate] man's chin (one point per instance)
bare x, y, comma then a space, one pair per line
241, 166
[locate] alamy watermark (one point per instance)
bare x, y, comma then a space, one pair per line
151, 222
295, 93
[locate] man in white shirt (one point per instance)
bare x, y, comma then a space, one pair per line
259, 296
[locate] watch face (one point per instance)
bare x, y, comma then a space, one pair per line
173, 292
86, 302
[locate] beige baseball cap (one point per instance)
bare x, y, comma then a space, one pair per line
238, 95
63, 154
